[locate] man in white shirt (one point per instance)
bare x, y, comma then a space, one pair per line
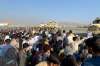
89, 34
34, 41
70, 37
76, 42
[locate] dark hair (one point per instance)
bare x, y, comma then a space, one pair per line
53, 59
33, 52
25, 45
96, 45
81, 37
70, 31
75, 38
64, 31
1, 41
7, 41
46, 48
91, 42
69, 61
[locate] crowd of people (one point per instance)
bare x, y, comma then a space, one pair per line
48, 48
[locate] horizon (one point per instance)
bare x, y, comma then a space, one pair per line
43, 22
36, 11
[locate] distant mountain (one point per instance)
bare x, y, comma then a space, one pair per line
36, 22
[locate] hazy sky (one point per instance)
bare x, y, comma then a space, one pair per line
43, 10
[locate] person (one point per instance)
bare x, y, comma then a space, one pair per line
15, 43
34, 41
10, 55
44, 63
65, 39
69, 61
26, 40
23, 54
76, 42
1, 41
70, 37
59, 43
94, 46
64, 33
89, 34
48, 57
69, 48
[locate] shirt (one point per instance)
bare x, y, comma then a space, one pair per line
10, 54
68, 50
76, 44
70, 38
94, 61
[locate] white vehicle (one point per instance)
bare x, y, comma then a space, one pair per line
95, 26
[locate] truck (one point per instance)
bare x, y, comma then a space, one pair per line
95, 26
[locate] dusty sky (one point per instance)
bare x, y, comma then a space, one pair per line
36, 11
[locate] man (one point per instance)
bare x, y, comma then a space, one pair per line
64, 33
10, 57
94, 46
70, 37
23, 54
15, 43
34, 41
73, 47
89, 34
75, 44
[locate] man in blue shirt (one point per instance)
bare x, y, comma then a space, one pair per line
94, 44
8, 54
